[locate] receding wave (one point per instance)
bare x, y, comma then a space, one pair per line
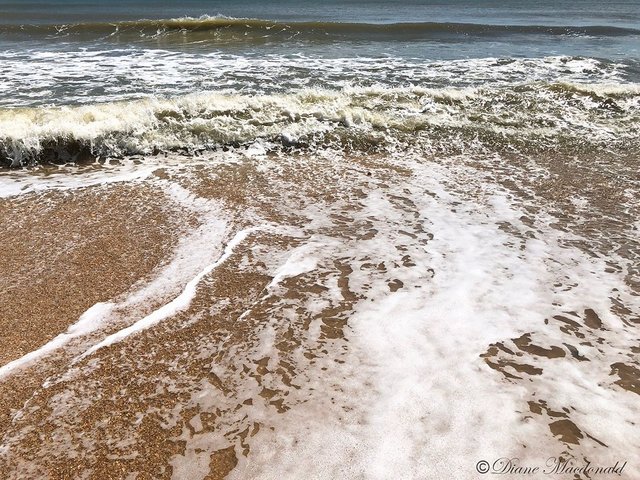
250, 29
532, 117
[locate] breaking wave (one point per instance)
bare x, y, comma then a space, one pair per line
526, 118
244, 28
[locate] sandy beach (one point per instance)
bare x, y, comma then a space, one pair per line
257, 310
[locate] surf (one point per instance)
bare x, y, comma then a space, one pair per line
525, 118
222, 26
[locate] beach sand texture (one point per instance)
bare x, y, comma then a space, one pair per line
303, 316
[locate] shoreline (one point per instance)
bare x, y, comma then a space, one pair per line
380, 287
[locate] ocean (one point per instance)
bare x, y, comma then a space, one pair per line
376, 65
299, 239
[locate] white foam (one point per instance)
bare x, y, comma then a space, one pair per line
301, 260
147, 72
414, 399
19, 183
88, 322
384, 112
179, 303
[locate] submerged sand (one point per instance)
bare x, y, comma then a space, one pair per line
268, 317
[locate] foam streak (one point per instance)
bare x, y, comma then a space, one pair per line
181, 302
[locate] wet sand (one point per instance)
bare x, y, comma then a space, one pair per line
349, 300
64, 252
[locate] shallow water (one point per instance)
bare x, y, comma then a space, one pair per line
334, 316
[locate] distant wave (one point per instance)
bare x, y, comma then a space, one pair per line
527, 118
274, 28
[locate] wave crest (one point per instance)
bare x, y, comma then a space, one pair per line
521, 118
248, 29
